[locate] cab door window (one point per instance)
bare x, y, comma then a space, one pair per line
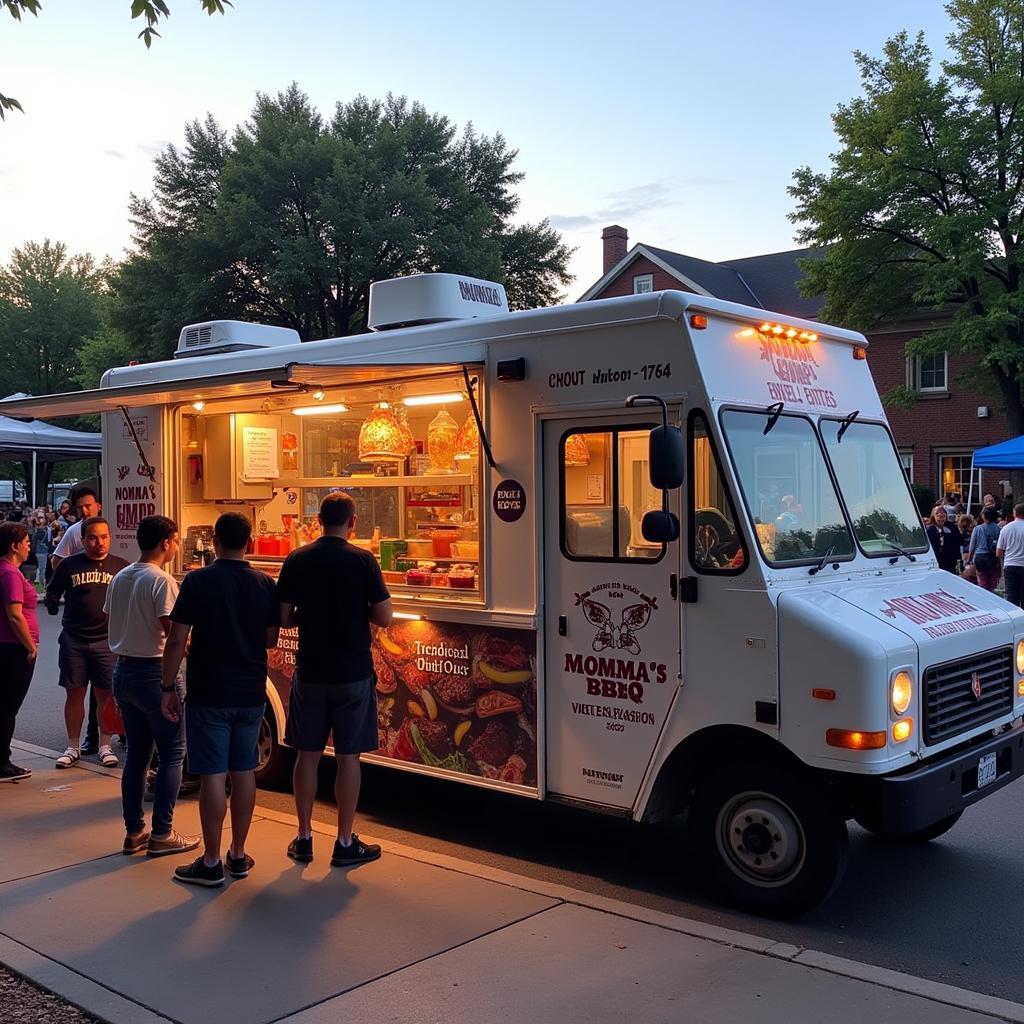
605, 491
715, 544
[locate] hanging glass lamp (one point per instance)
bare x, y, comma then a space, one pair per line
467, 441
577, 453
441, 436
380, 436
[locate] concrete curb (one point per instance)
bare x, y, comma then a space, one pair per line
39, 968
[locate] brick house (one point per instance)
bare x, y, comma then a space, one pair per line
935, 438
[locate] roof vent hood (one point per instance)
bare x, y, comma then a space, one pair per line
433, 299
216, 336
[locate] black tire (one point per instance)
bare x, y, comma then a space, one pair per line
938, 828
274, 768
768, 839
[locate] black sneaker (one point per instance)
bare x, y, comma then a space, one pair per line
239, 867
197, 873
89, 747
301, 850
14, 773
357, 852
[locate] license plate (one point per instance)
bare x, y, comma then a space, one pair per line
986, 770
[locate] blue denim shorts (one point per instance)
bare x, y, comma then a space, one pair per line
221, 739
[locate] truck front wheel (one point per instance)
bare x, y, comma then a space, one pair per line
768, 838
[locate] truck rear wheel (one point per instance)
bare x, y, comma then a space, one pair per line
768, 839
275, 764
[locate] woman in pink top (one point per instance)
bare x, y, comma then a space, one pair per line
19, 639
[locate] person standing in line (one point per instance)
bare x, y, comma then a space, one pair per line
1010, 553
138, 605
981, 551
945, 540
85, 504
232, 612
332, 590
19, 640
84, 654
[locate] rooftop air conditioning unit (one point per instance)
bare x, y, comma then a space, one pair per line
433, 299
218, 336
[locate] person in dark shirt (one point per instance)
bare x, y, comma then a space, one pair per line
945, 539
84, 656
232, 612
333, 591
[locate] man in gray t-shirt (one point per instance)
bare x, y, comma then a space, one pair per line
1010, 552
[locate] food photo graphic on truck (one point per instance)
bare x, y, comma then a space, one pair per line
652, 556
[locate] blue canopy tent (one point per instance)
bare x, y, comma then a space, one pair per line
1005, 455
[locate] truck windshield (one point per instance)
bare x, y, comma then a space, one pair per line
873, 486
787, 488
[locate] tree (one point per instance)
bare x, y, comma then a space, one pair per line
49, 304
290, 219
924, 203
150, 10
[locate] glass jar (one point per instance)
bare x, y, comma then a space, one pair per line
441, 435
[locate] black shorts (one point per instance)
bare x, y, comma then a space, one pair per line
82, 662
349, 710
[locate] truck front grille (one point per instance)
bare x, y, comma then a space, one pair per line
951, 704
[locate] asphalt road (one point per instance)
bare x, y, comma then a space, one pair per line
947, 910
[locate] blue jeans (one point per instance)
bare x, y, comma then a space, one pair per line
137, 692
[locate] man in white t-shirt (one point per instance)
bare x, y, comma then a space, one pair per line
86, 505
139, 602
1010, 551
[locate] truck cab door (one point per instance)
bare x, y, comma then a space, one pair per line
611, 615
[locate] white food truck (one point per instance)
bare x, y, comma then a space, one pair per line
730, 613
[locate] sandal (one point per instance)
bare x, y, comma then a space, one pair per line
69, 758
107, 757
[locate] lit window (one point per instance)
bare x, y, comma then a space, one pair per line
643, 283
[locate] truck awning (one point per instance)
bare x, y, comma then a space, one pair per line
174, 391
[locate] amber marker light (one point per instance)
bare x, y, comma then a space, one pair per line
902, 729
698, 321
853, 739
860, 353
822, 694
1020, 687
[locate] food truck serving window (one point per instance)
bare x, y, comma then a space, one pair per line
787, 487
605, 491
874, 487
715, 544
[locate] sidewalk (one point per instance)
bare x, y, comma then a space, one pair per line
413, 937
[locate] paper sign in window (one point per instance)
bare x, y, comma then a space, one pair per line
259, 453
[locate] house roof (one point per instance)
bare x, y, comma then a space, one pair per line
769, 282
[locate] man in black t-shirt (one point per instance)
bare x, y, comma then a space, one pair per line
332, 591
84, 656
232, 612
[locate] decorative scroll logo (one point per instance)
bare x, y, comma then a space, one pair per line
632, 618
976, 685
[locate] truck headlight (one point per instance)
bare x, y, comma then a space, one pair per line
1020, 657
901, 691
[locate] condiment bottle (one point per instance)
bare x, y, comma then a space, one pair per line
375, 541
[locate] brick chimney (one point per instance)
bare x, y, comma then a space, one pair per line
615, 240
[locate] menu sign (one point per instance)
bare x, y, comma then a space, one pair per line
259, 453
450, 696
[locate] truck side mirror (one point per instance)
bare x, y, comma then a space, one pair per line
660, 527
665, 458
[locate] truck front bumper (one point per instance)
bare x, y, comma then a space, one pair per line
913, 800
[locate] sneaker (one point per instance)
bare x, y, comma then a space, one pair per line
107, 757
14, 773
301, 850
239, 867
197, 873
69, 758
89, 747
135, 843
357, 852
173, 842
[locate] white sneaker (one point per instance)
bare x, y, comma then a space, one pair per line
69, 758
107, 757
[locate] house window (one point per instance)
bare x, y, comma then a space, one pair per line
955, 475
643, 283
927, 373
907, 461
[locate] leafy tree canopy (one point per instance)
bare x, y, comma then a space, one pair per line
289, 219
924, 203
151, 11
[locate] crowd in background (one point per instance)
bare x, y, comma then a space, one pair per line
46, 526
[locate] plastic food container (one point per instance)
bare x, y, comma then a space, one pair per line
468, 549
418, 577
462, 579
419, 548
442, 542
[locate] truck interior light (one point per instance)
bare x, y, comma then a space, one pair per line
902, 729
318, 396
902, 690
445, 399
406, 615
854, 739
698, 321
822, 694
1020, 657
199, 406
860, 353
319, 410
